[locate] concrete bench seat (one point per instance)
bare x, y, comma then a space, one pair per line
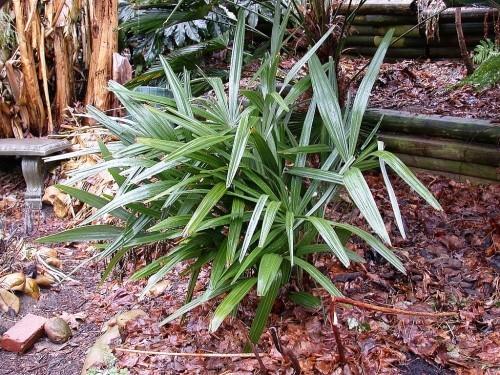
32, 150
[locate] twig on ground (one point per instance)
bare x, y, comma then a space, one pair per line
180, 354
390, 310
285, 352
263, 368
336, 333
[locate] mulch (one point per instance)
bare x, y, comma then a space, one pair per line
429, 87
453, 264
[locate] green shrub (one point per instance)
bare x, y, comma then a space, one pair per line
484, 50
226, 183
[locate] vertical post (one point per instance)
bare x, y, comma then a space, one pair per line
33, 171
461, 41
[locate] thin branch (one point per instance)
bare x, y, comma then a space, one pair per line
390, 310
285, 352
178, 354
336, 333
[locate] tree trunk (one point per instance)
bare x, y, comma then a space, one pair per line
461, 42
29, 96
104, 37
63, 53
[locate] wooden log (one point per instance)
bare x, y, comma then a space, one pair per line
383, 20
408, 42
391, 52
104, 34
374, 30
391, 7
468, 13
447, 16
414, 52
475, 29
445, 30
465, 129
455, 176
441, 148
374, 41
451, 166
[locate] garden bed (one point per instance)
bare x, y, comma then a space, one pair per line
453, 264
427, 87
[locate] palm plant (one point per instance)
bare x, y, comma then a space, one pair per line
183, 30
225, 183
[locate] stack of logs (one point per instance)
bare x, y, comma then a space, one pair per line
377, 17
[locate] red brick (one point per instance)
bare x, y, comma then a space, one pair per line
23, 335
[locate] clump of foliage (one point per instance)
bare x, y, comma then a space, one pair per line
155, 27
226, 183
7, 35
486, 75
484, 50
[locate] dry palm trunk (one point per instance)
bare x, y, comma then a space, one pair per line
104, 37
122, 72
29, 95
63, 52
5, 121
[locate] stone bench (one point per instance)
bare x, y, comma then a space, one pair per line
32, 150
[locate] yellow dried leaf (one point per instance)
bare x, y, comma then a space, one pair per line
54, 262
31, 288
13, 281
158, 289
47, 252
45, 280
9, 301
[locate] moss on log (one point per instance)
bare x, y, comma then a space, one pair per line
374, 41
465, 129
408, 42
442, 148
452, 166
400, 7
382, 30
383, 20
414, 52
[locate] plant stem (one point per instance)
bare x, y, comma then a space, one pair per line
390, 310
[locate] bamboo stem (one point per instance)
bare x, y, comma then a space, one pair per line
391, 310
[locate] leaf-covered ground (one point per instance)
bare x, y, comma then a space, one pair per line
424, 86
453, 264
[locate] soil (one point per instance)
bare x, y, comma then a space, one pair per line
453, 264
418, 86
429, 87
70, 297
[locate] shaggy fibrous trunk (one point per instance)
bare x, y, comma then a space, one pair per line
29, 96
63, 52
104, 42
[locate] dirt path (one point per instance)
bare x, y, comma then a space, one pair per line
71, 297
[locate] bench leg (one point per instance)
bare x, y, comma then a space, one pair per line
33, 172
